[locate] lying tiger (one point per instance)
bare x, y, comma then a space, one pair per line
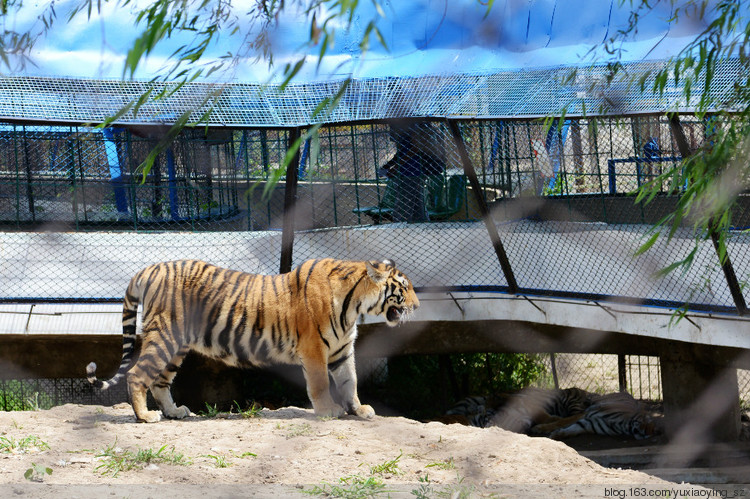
558, 413
306, 317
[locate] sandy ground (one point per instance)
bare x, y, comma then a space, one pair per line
286, 452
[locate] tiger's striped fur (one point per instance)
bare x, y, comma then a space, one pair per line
520, 411
612, 414
307, 317
558, 413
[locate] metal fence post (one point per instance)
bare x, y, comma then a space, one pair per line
290, 200
726, 265
471, 174
622, 373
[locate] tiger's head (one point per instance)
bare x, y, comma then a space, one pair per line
643, 426
397, 298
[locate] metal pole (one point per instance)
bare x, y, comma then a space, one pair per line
726, 265
502, 257
290, 200
553, 366
29, 176
622, 373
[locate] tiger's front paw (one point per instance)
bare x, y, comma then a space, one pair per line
148, 417
365, 412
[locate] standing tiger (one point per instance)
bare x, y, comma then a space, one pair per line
305, 317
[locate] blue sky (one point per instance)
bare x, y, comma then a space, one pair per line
424, 36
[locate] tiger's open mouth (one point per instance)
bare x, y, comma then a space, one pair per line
394, 313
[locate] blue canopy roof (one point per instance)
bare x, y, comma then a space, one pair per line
444, 58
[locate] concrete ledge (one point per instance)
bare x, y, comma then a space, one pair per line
702, 329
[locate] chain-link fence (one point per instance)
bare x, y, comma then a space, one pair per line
79, 215
35, 394
77, 209
638, 374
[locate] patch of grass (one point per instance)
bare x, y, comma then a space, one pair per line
210, 412
424, 491
387, 467
24, 395
32, 402
222, 461
298, 430
357, 486
25, 445
454, 491
115, 460
350, 487
459, 490
254, 411
447, 464
219, 460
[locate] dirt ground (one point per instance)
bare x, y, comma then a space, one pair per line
284, 453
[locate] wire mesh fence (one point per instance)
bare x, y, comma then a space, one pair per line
35, 394
79, 215
640, 375
77, 202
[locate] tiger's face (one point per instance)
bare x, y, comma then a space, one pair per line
397, 299
642, 426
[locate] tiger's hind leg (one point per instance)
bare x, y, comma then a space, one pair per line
552, 427
156, 353
160, 389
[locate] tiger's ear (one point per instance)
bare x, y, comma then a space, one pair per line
378, 271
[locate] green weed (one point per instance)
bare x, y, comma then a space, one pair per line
357, 486
210, 412
387, 467
350, 487
459, 490
254, 411
219, 461
37, 472
115, 460
424, 491
24, 445
447, 464
298, 430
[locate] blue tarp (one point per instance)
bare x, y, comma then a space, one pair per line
445, 58
424, 37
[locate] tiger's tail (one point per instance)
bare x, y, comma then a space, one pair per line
129, 319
